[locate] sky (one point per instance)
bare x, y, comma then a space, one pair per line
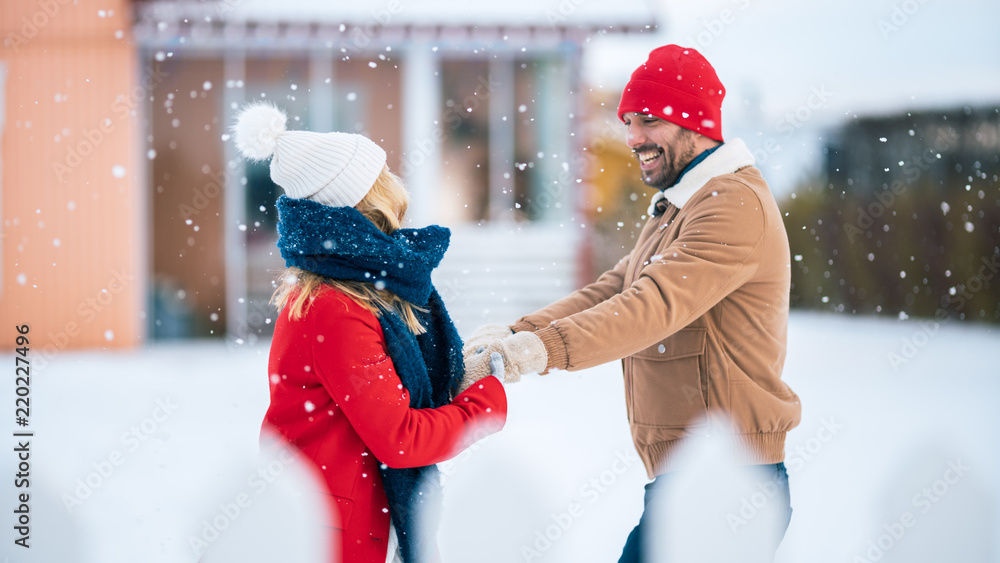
866, 57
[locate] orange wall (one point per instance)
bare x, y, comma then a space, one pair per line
73, 254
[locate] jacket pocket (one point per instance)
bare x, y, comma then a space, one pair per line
667, 380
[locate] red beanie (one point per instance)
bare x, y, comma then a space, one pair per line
677, 84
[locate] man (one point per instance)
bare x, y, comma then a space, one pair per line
698, 311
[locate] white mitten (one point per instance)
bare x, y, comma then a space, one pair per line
522, 352
481, 365
484, 336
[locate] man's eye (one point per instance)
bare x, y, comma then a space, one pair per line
649, 120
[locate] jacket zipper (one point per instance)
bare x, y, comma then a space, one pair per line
629, 367
646, 248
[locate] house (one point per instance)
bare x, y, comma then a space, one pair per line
478, 107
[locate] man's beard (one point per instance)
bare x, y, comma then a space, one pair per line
675, 157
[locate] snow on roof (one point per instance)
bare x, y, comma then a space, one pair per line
616, 17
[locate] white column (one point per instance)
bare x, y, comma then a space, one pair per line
552, 193
322, 98
501, 149
422, 131
234, 206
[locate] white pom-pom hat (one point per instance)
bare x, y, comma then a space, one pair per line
335, 169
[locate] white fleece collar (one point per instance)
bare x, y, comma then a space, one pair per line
728, 158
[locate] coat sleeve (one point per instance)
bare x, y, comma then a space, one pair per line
716, 251
352, 365
610, 283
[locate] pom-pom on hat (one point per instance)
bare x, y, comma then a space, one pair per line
335, 169
679, 85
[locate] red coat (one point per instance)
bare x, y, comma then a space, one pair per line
337, 398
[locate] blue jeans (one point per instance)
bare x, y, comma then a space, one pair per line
781, 502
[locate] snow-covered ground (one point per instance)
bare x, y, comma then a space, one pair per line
135, 453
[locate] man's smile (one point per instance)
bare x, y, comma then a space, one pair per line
649, 158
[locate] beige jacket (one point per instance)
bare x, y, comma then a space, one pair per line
698, 313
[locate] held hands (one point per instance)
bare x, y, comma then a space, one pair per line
484, 336
521, 353
495, 350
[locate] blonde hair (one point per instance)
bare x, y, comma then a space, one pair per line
385, 206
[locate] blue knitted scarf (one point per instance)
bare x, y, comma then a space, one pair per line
340, 243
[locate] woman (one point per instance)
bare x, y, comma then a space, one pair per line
365, 360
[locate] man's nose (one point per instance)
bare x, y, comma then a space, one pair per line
634, 135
